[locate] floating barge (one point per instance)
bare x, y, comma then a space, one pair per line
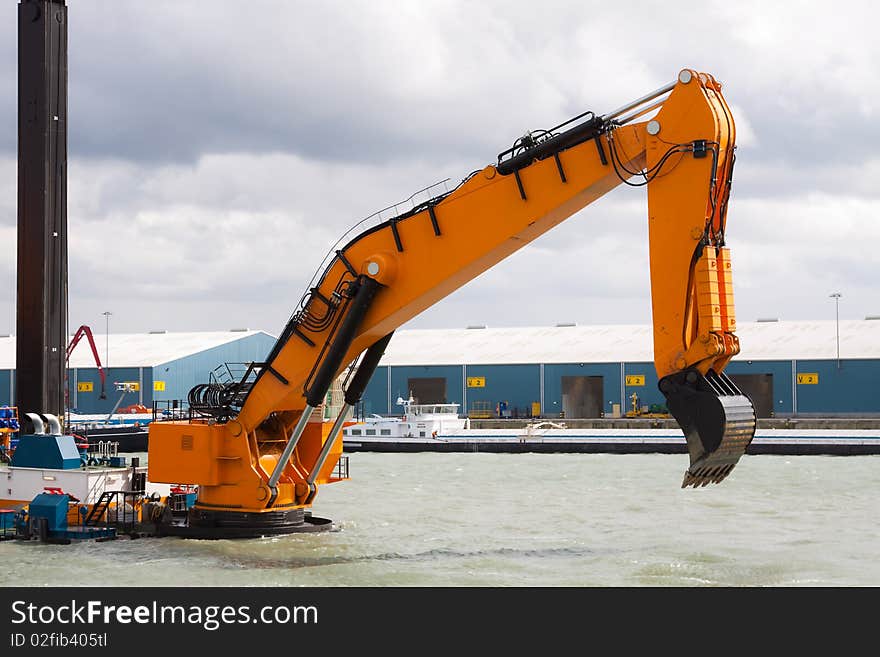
836, 442
437, 428
128, 431
852, 442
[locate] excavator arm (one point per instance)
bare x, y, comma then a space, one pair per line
259, 450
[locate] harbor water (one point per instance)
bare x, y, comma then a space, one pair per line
585, 520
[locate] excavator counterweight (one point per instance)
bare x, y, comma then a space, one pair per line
258, 453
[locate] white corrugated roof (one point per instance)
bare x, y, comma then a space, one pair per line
782, 340
136, 349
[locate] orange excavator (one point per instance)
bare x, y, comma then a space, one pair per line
258, 452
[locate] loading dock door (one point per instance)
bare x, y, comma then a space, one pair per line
758, 388
428, 390
582, 396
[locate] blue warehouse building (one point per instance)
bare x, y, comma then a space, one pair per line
788, 368
143, 367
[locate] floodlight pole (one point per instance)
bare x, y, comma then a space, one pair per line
836, 296
107, 340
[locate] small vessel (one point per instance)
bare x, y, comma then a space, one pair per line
129, 430
419, 421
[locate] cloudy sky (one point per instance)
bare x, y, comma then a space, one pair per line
217, 150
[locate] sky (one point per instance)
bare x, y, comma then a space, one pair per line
216, 151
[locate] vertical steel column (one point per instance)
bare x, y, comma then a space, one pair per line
41, 318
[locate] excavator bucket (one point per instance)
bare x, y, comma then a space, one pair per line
717, 419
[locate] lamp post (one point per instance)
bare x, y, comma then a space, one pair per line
107, 341
836, 296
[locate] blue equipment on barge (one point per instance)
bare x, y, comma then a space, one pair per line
46, 519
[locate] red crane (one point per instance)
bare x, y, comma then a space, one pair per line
80, 332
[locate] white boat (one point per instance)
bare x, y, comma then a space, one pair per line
417, 421
75, 421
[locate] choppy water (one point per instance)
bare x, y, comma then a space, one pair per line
526, 520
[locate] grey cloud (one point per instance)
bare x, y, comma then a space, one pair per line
168, 83
379, 82
372, 83
207, 114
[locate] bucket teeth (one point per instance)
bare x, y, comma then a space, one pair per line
703, 476
717, 420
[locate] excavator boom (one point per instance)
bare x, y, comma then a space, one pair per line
260, 449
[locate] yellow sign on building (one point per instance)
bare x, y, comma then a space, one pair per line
808, 378
635, 379
159, 386
85, 386
476, 382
